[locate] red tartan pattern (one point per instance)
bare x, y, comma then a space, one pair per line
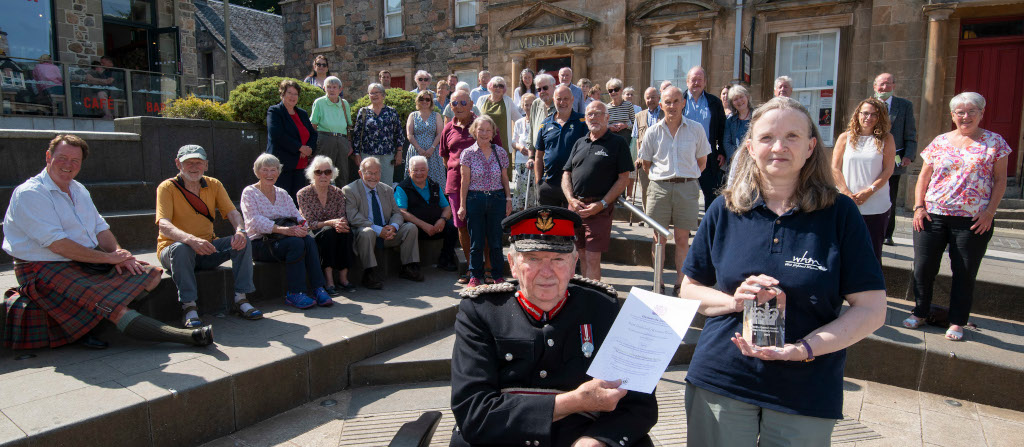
58, 302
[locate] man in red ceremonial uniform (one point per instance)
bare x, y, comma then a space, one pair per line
522, 350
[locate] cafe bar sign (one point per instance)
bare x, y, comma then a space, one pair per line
558, 39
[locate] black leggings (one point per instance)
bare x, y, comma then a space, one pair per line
966, 249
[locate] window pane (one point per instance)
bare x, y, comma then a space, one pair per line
810, 59
131, 10
98, 92
324, 36
323, 12
32, 87
672, 62
394, 5
27, 25
394, 25
465, 13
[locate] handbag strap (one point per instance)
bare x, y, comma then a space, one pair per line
193, 200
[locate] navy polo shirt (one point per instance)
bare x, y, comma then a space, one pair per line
556, 141
818, 258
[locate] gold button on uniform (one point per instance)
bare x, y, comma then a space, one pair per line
776, 240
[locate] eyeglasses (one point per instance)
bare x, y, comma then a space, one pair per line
323, 172
868, 114
543, 88
320, 64
460, 103
971, 113
423, 79
424, 99
614, 90
499, 85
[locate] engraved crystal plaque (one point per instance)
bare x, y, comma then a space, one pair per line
764, 325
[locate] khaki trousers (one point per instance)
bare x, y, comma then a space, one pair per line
406, 240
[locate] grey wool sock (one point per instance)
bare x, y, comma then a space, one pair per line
142, 327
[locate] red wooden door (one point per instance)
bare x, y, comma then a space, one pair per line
994, 68
397, 82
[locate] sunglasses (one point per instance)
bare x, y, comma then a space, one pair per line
499, 85
318, 64
460, 103
543, 88
424, 100
423, 79
614, 90
324, 172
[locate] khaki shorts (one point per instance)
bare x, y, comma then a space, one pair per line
674, 204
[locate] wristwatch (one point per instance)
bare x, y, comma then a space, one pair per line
604, 205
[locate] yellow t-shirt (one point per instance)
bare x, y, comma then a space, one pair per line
172, 205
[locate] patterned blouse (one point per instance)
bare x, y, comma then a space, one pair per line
962, 179
486, 170
260, 214
377, 134
315, 212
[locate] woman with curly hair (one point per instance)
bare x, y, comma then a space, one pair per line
862, 162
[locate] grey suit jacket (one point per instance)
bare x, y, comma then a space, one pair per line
904, 130
357, 208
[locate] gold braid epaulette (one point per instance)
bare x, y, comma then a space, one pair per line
505, 287
594, 284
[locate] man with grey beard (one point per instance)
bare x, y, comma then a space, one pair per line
185, 209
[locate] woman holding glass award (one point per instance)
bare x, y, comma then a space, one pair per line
784, 244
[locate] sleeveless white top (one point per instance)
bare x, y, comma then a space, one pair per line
862, 163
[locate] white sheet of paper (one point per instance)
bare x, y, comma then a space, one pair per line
643, 339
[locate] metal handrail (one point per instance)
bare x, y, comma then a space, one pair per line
659, 247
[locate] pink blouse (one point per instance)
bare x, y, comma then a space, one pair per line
962, 179
259, 213
486, 171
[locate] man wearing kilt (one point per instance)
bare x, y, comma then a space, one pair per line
70, 269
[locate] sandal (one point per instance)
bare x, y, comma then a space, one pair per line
913, 322
463, 279
954, 335
488, 279
191, 323
251, 314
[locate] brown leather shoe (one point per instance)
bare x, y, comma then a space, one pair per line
371, 280
411, 271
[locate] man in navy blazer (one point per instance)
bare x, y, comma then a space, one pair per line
904, 132
709, 112
285, 139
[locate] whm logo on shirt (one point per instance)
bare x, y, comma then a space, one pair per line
805, 262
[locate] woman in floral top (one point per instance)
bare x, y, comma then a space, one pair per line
323, 206
484, 190
958, 191
378, 132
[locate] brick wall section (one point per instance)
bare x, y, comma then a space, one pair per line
360, 50
79, 30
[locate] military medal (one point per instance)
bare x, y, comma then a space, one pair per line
587, 338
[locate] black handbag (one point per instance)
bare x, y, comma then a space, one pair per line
281, 222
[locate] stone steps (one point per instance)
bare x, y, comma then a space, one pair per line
921, 359
107, 196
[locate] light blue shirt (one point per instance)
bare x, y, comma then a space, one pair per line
369, 200
41, 214
478, 92
402, 200
698, 111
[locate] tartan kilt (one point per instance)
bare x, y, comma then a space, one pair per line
58, 302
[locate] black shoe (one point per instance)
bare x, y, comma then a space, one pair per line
411, 271
371, 281
447, 263
92, 342
203, 336
888, 241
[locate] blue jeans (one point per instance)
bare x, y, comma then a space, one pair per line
300, 256
484, 212
181, 262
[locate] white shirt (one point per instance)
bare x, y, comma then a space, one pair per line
369, 201
41, 214
862, 164
521, 134
675, 156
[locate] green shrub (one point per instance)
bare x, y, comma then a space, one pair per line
404, 102
251, 100
196, 108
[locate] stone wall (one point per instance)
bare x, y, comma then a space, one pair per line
187, 37
79, 26
430, 41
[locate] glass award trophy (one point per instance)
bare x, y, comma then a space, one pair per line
764, 325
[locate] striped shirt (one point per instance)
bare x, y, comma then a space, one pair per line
622, 113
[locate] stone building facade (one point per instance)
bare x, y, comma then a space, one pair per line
833, 48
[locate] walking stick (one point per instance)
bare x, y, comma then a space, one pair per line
636, 183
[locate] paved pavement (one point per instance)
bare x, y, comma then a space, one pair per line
877, 415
